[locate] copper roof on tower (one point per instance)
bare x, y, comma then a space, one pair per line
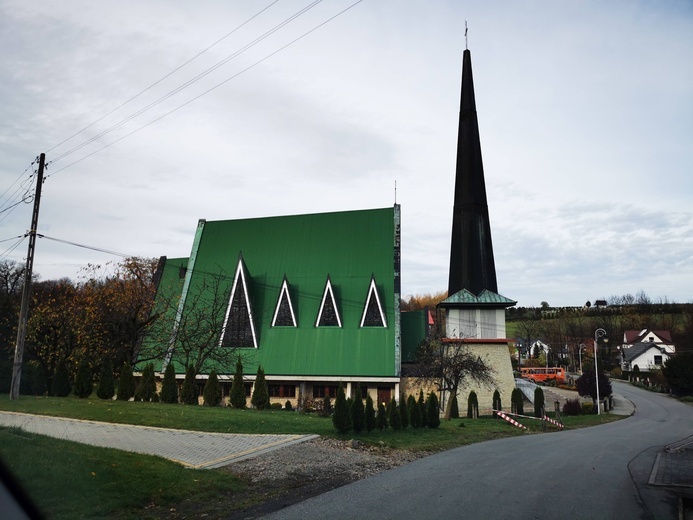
471, 253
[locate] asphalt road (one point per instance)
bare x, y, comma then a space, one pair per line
592, 473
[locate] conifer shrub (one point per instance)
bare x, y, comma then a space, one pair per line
538, 402
106, 386
275, 406
370, 415
572, 407
403, 412
61, 381
497, 401
189, 391
146, 390
588, 408
423, 409
472, 405
326, 409
414, 412
260, 398
454, 409
393, 415
381, 417
288, 406
169, 388
126, 383
517, 401
84, 384
212, 390
432, 412
358, 412
237, 395
340, 417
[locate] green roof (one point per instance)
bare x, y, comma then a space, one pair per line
485, 298
350, 247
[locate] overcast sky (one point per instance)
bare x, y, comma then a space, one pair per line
585, 113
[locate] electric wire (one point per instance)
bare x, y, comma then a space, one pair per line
164, 77
210, 89
189, 82
93, 248
9, 250
20, 176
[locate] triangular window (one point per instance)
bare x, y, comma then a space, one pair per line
373, 315
284, 315
328, 315
239, 329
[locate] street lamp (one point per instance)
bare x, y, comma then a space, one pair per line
582, 346
597, 334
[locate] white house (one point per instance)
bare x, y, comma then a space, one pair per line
658, 338
646, 356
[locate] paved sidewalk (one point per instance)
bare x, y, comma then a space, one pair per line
198, 450
674, 465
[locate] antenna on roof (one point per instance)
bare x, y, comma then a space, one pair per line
466, 43
395, 191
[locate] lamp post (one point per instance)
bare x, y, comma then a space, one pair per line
597, 334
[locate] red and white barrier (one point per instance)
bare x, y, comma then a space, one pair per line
554, 422
512, 421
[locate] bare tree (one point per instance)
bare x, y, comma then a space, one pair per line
450, 364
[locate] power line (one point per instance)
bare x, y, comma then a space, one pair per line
207, 91
190, 82
164, 77
93, 248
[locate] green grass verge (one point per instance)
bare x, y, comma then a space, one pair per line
70, 480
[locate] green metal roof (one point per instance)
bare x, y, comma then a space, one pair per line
485, 298
350, 247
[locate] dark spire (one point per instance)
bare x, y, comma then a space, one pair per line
471, 253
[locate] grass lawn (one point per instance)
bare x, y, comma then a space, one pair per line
70, 480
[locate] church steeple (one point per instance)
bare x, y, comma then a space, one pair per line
471, 253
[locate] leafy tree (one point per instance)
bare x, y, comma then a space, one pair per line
106, 386
497, 401
414, 412
417, 302
126, 383
403, 412
587, 387
678, 372
538, 402
517, 401
370, 415
260, 398
381, 417
11, 284
454, 408
358, 413
450, 365
393, 416
189, 391
433, 414
472, 405
146, 390
61, 382
212, 390
340, 417
423, 409
84, 384
169, 387
237, 396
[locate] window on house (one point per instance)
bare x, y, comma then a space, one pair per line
658, 360
373, 315
651, 340
239, 330
284, 315
282, 390
328, 314
320, 391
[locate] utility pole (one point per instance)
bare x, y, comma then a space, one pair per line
24, 310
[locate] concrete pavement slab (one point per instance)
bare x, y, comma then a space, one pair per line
198, 450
